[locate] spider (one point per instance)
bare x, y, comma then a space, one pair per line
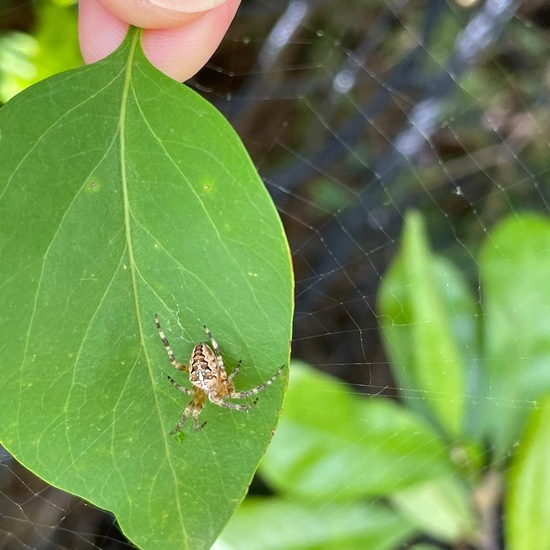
210, 380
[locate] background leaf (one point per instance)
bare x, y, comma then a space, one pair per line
51, 48
277, 524
123, 194
514, 264
347, 446
527, 505
441, 507
428, 320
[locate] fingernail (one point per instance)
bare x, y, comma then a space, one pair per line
187, 6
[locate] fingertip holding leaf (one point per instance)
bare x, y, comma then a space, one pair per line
123, 193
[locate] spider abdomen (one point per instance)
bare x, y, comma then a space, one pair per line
203, 371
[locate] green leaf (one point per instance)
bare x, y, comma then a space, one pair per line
332, 444
514, 264
527, 506
122, 194
429, 328
440, 508
265, 524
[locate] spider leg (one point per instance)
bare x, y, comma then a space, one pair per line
196, 424
167, 347
257, 389
194, 408
180, 387
234, 406
217, 353
183, 418
235, 372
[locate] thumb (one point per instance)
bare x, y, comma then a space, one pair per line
177, 42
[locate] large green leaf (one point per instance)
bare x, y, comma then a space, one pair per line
334, 444
429, 328
122, 194
515, 262
527, 504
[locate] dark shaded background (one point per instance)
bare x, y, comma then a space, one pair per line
354, 112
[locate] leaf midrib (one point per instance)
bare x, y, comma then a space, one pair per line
133, 269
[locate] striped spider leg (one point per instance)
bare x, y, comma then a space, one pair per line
209, 379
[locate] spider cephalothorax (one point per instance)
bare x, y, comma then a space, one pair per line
210, 380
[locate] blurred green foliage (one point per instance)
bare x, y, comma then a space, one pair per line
421, 468
49, 48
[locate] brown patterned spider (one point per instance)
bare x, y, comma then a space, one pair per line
210, 380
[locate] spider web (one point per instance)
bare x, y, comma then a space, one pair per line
354, 113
